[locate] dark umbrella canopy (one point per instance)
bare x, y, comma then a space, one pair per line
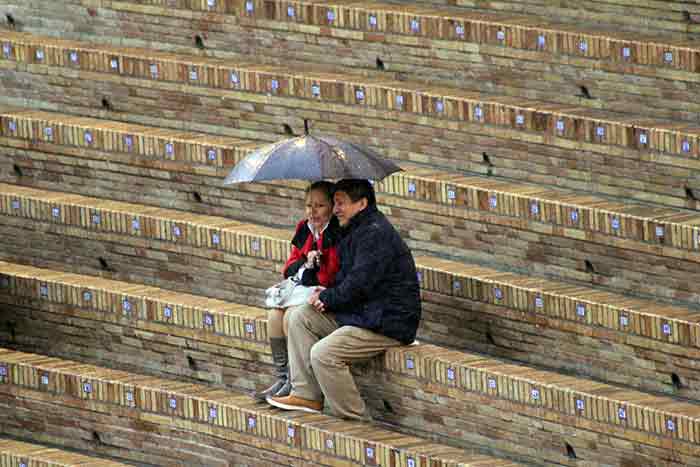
311, 158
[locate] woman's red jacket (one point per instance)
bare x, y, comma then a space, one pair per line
303, 242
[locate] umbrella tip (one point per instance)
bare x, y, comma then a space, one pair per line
306, 127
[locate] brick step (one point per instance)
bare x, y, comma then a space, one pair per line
458, 26
518, 55
490, 66
609, 243
573, 408
233, 260
656, 225
153, 440
555, 121
664, 16
667, 17
639, 172
23, 454
159, 148
152, 143
495, 150
526, 32
469, 318
648, 229
222, 414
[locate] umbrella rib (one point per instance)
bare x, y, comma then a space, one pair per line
277, 146
380, 162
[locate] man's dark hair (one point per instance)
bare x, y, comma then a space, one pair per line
356, 189
327, 188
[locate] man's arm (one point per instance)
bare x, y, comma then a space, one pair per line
372, 257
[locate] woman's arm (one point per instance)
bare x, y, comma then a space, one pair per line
329, 267
295, 261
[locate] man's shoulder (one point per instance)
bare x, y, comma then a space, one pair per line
377, 230
374, 222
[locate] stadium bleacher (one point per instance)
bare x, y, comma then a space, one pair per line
549, 193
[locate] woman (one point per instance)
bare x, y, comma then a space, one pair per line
314, 250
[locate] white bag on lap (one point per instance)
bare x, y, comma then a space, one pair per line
288, 293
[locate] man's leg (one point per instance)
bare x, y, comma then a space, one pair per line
331, 358
306, 327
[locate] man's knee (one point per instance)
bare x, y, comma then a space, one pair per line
296, 315
319, 355
285, 319
324, 353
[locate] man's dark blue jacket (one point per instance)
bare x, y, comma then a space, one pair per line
376, 287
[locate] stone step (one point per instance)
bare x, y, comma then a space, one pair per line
577, 217
490, 64
517, 121
578, 211
525, 31
118, 137
674, 17
215, 413
577, 242
232, 260
573, 409
555, 121
23, 454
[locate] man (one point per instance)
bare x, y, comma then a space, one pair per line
373, 305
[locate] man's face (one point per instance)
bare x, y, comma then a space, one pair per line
344, 209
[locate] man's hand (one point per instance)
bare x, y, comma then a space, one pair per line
315, 301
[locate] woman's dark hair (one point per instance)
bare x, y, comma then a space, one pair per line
356, 189
327, 188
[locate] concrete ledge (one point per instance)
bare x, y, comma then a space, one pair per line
19, 453
226, 414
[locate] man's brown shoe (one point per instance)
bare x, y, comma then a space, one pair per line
295, 403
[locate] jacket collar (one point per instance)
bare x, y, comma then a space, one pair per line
330, 234
316, 235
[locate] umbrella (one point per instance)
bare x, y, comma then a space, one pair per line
310, 157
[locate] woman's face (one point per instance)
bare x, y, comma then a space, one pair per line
318, 208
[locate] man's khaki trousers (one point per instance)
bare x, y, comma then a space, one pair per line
320, 355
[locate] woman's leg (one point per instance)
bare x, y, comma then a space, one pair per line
275, 318
285, 324
278, 343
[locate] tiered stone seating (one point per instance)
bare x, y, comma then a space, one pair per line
505, 136
656, 235
532, 401
18, 453
636, 284
496, 232
591, 213
158, 409
231, 260
506, 56
660, 16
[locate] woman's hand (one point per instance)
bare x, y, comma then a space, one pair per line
313, 259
